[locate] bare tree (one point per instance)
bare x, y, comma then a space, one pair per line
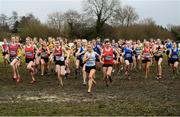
147, 21
72, 17
3, 20
131, 15
56, 20
120, 17
102, 10
13, 19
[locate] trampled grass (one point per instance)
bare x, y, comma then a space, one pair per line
138, 96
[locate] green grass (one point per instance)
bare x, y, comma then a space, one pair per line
138, 96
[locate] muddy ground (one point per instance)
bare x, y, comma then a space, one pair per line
137, 96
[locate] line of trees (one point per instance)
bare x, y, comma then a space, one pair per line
104, 18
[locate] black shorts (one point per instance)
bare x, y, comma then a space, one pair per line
129, 59
158, 57
136, 56
145, 61
65, 58
28, 60
16, 57
46, 60
4, 53
167, 52
11, 58
172, 61
97, 60
107, 65
81, 63
119, 59
88, 69
61, 63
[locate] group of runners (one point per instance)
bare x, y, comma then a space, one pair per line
44, 56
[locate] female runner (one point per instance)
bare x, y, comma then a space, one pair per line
90, 66
174, 59
59, 59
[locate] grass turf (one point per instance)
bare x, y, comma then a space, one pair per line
138, 96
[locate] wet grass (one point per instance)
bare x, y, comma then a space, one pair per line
138, 96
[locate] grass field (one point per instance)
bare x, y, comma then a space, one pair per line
138, 96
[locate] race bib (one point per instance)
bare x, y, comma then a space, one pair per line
146, 55
29, 54
12, 53
108, 58
59, 58
138, 51
175, 57
128, 55
90, 63
44, 54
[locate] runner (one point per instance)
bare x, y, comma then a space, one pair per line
107, 61
38, 57
44, 53
158, 56
138, 50
50, 45
77, 50
120, 57
59, 59
146, 58
174, 59
80, 56
14, 59
97, 48
128, 57
169, 47
90, 65
29, 50
5, 52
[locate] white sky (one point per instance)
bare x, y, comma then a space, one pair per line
164, 12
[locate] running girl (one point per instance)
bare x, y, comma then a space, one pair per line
44, 53
158, 55
14, 59
107, 61
5, 52
138, 50
29, 50
174, 59
59, 60
80, 56
146, 58
90, 66
128, 57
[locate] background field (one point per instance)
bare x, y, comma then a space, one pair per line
138, 96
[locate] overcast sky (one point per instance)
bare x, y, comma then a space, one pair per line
164, 12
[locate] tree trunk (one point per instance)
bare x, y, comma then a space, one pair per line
99, 27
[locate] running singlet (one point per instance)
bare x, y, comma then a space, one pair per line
44, 54
169, 46
159, 51
96, 49
58, 54
13, 50
51, 46
108, 56
82, 55
29, 52
128, 53
138, 51
175, 54
146, 54
5, 47
91, 61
